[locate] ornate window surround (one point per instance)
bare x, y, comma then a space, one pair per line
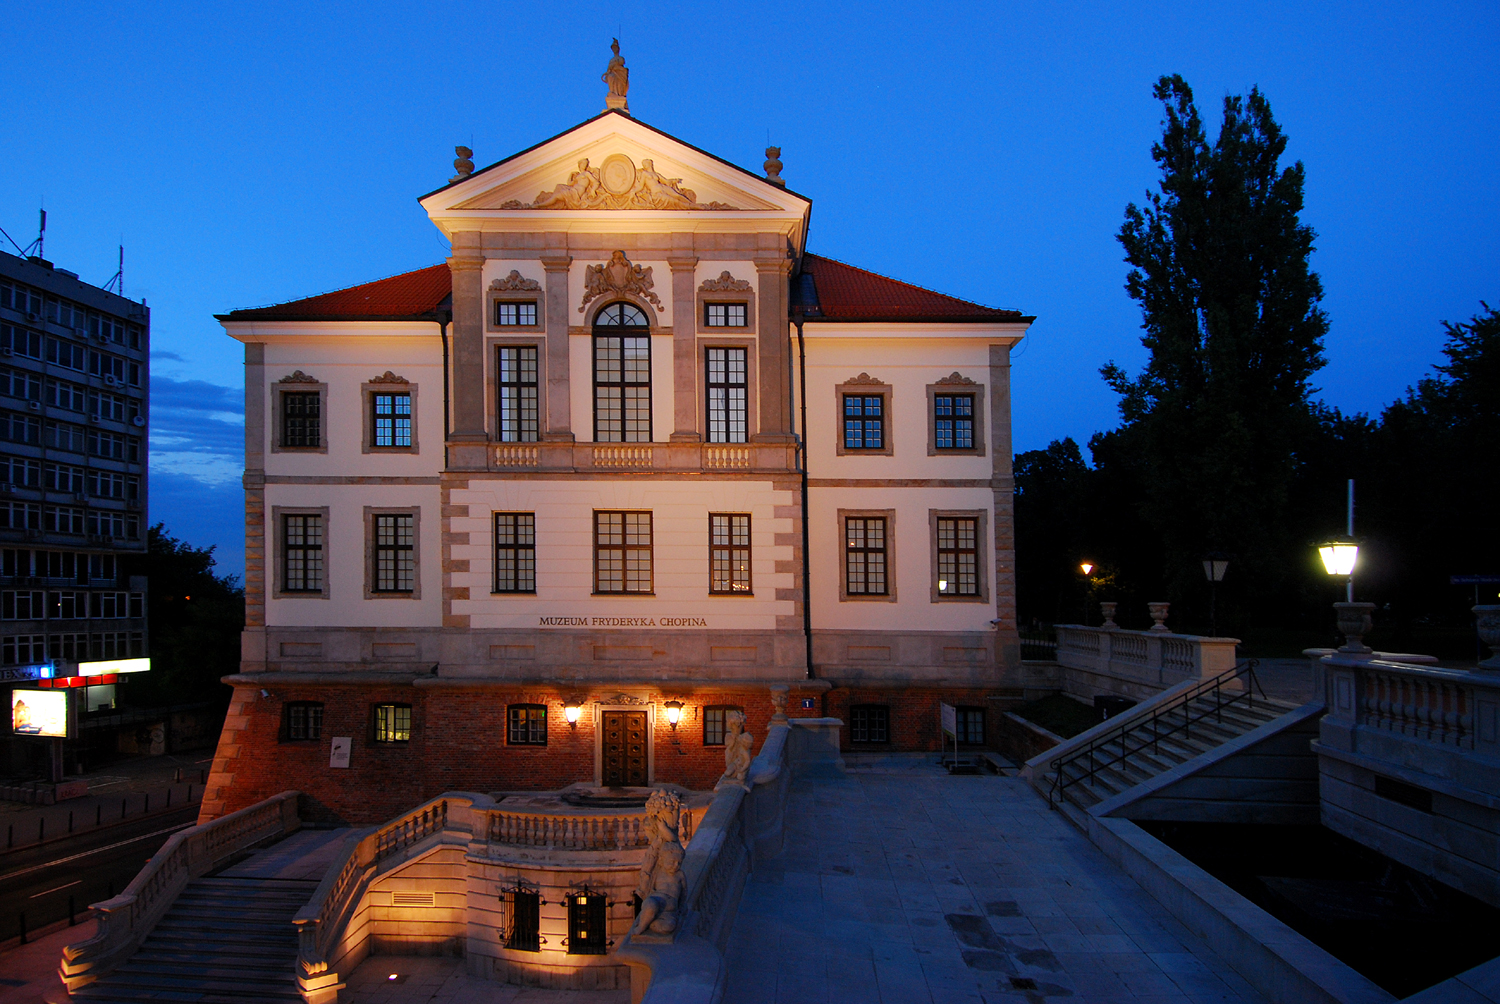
981, 546
725, 289
298, 382
868, 386
955, 383
515, 288
386, 383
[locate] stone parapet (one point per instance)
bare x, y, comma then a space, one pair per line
1136, 664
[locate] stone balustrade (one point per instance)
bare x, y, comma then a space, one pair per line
126, 920
564, 456
1136, 664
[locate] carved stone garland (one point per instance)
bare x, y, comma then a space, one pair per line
297, 376
514, 281
725, 283
389, 377
618, 184
864, 379
957, 378
617, 277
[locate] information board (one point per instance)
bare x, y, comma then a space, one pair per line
39, 713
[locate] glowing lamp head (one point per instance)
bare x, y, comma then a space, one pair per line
674, 713
1086, 567
942, 585
570, 712
1339, 556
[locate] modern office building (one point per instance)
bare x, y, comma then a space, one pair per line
631, 458
74, 379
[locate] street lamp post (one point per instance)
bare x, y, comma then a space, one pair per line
1339, 557
1088, 589
1213, 570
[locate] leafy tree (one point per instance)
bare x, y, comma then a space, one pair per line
1229, 304
194, 617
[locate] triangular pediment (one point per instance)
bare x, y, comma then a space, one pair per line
613, 163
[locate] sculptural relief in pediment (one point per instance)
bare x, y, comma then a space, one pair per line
618, 183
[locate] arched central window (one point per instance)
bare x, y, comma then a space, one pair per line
622, 375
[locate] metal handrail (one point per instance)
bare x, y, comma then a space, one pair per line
1153, 722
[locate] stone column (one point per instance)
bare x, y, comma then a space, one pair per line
775, 373
684, 351
559, 419
1002, 479
467, 264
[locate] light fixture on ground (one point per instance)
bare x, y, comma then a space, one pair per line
571, 711
1214, 568
674, 713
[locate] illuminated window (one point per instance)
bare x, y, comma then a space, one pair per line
870, 723
515, 552
586, 923
528, 725
622, 552
304, 720
729, 554
392, 723
525, 921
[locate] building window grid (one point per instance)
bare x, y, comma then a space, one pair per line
515, 552
724, 315
395, 557
392, 420
302, 554
622, 552
865, 556
515, 314
870, 723
304, 720
729, 554
525, 921
301, 425
527, 725
728, 395
714, 724
953, 418
958, 556
622, 377
970, 725
864, 422
392, 723
518, 394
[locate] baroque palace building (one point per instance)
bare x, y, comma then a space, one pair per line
631, 458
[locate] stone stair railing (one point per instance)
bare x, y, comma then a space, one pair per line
1138, 664
126, 920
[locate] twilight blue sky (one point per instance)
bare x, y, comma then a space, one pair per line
253, 153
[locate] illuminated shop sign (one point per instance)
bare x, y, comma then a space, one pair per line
111, 666
39, 713
17, 674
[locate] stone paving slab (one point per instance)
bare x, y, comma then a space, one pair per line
443, 980
908, 886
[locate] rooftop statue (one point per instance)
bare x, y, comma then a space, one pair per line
618, 79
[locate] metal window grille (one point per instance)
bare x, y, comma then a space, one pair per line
304, 720
392, 723
724, 315
728, 394
953, 417
970, 722
302, 554
518, 394
525, 921
528, 725
622, 552
395, 563
864, 422
958, 557
392, 419
512, 315
586, 928
622, 377
870, 723
865, 556
515, 552
729, 553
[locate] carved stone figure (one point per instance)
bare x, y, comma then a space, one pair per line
618, 184
737, 743
773, 166
618, 276
462, 164
725, 283
582, 191
618, 79
659, 884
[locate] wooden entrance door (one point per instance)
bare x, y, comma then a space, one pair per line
624, 749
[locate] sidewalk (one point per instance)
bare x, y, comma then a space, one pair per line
28, 974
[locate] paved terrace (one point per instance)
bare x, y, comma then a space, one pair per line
903, 885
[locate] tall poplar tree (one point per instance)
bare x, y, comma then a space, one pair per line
1219, 264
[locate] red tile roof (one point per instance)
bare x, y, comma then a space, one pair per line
409, 295
846, 293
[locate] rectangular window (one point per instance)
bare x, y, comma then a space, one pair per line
301, 427
528, 725
957, 556
16, 428
67, 396
23, 605
20, 472
21, 384
107, 406
67, 354
622, 552
23, 649
970, 722
865, 556
864, 422
392, 419
63, 519
515, 552
713, 724
870, 723
953, 421
302, 554
304, 720
392, 723
724, 315
21, 341
728, 393
518, 394
622, 388
515, 315
586, 923
525, 921
72, 647
729, 553
395, 562
20, 516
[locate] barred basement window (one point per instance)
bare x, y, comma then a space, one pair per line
304, 720
870, 723
586, 923
515, 552
301, 426
729, 554
728, 417
525, 921
392, 420
622, 552
518, 393
528, 725
395, 566
970, 722
864, 556
713, 724
302, 554
958, 557
392, 723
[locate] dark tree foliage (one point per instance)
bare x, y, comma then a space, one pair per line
1213, 424
195, 619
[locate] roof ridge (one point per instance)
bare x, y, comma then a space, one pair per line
903, 282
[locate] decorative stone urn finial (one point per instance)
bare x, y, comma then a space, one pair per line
462, 164
1108, 610
778, 702
773, 166
1159, 614
618, 79
1355, 622
1487, 619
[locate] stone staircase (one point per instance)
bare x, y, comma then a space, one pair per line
1153, 744
223, 940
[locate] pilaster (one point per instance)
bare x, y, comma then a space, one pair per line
559, 419
771, 328
684, 351
466, 265
1002, 477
